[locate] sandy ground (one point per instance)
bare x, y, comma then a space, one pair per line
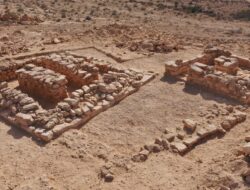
73, 161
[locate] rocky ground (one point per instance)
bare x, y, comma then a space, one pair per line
135, 34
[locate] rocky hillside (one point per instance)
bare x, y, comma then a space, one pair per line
78, 10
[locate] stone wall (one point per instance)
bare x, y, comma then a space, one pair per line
227, 64
70, 67
217, 70
236, 87
42, 83
108, 86
244, 62
180, 67
8, 69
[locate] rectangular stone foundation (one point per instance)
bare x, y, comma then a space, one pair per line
95, 96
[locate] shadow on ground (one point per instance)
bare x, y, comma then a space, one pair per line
18, 133
197, 90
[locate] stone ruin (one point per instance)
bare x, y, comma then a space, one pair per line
41, 82
97, 86
216, 70
192, 133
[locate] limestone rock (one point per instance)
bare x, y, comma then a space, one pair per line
24, 119
141, 157
189, 125
180, 147
247, 138
246, 148
30, 107
229, 122
240, 116
153, 148
191, 141
71, 101
169, 137
64, 106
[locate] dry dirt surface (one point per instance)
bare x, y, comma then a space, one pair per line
140, 34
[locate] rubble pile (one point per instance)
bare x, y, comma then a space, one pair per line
192, 133
41, 82
217, 70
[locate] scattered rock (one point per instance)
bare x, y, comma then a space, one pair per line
153, 148
189, 125
56, 41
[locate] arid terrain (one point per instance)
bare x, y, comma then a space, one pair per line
123, 147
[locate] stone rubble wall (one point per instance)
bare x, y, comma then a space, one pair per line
236, 87
8, 69
217, 70
192, 134
101, 64
70, 67
92, 98
180, 67
227, 64
244, 62
42, 83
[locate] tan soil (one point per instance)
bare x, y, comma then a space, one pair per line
73, 161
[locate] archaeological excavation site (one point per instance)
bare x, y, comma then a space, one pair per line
48, 95
124, 95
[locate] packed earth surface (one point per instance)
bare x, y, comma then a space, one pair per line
128, 94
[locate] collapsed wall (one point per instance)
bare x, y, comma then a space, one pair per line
43, 83
217, 70
181, 67
236, 87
